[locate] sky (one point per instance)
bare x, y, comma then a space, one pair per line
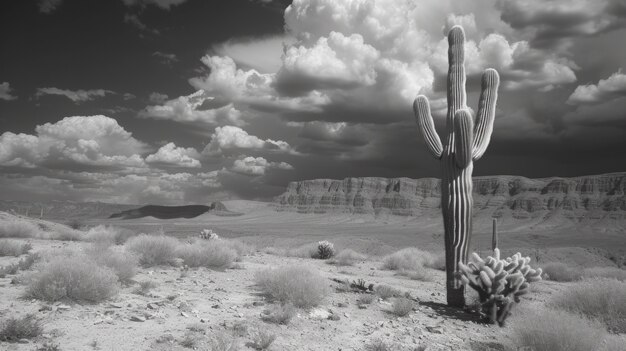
190, 101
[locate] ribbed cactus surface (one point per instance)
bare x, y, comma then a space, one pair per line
465, 141
499, 282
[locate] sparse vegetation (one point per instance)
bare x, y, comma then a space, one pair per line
18, 229
605, 272
262, 340
154, 250
300, 285
145, 287
279, 313
347, 257
554, 330
366, 299
74, 277
602, 299
14, 329
402, 306
189, 340
108, 235
378, 345
67, 234
214, 254
223, 342
560, 272
386, 291
422, 274
124, 264
325, 250
411, 259
14, 248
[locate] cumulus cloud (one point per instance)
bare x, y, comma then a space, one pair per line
5, 92
550, 21
189, 109
165, 58
171, 155
257, 166
234, 138
73, 143
606, 89
49, 6
136, 22
262, 54
76, 96
157, 98
164, 4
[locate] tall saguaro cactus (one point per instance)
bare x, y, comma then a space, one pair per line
464, 142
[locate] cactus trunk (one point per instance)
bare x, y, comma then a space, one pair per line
464, 143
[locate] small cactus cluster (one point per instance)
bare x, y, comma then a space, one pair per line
499, 282
325, 249
208, 234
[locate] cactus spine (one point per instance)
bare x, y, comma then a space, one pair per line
465, 142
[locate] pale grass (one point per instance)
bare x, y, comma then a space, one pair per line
154, 250
300, 285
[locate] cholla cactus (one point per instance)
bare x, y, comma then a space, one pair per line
208, 234
325, 249
499, 282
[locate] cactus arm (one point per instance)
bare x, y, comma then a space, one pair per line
486, 112
463, 133
427, 126
456, 72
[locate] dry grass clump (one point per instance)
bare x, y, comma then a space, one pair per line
67, 234
123, 263
214, 254
154, 250
145, 287
421, 274
13, 248
14, 329
300, 285
108, 235
401, 306
602, 299
18, 229
412, 259
386, 291
605, 272
223, 342
555, 330
279, 314
560, 272
379, 345
347, 257
74, 277
261, 340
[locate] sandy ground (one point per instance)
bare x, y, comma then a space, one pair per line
202, 303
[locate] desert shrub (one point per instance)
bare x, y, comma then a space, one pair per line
279, 313
67, 234
555, 330
76, 224
124, 264
262, 340
366, 299
145, 287
605, 272
437, 262
386, 291
215, 254
208, 234
108, 235
189, 340
602, 299
48, 346
154, 250
223, 342
347, 257
408, 259
401, 306
300, 285
378, 345
18, 229
560, 272
303, 251
27, 262
13, 247
325, 249
74, 277
14, 329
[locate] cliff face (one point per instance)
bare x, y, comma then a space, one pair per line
588, 197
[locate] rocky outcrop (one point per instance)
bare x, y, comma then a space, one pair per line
588, 197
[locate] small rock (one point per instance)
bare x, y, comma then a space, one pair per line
434, 329
152, 306
115, 305
184, 314
362, 307
334, 317
63, 307
23, 341
215, 306
137, 319
319, 313
258, 303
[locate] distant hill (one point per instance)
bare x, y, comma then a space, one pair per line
596, 200
172, 212
62, 210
